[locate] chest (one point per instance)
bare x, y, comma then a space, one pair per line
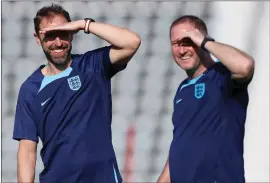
66, 96
195, 99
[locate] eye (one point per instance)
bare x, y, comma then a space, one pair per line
49, 35
176, 43
63, 33
186, 42
53, 34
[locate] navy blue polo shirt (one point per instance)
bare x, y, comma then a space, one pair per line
209, 117
71, 114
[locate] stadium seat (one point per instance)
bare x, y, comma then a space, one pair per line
8, 172
76, 9
6, 71
29, 65
121, 9
141, 162
84, 43
144, 123
170, 9
136, 25
99, 9
24, 9
11, 29
157, 66
195, 8
7, 7
9, 145
32, 49
11, 49
120, 106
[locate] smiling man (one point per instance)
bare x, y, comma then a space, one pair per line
210, 107
67, 102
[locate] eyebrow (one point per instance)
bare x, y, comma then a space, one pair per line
175, 40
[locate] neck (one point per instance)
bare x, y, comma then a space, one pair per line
203, 66
53, 69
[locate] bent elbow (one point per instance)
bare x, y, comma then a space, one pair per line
248, 68
136, 42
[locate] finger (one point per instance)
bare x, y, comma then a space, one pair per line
53, 28
46, 30
42, 32
182, 35
185, 32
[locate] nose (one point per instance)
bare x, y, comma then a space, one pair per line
182, 50
58, 42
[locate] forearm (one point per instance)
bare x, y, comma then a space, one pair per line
165, 175
239, 63
26, 167
117, 36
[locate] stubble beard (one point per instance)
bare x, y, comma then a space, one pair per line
59, 62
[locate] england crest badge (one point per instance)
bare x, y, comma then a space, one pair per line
199, 90
74, 83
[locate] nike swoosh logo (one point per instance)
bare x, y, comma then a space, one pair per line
43, 103
178, 101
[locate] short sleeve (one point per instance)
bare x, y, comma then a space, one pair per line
98, 60
24, 124
237, 93
222, 77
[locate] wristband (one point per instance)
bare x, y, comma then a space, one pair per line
87, 23
205, 40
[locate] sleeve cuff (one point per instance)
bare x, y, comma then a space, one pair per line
18, 138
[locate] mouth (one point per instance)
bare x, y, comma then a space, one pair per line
58, 52
185, 57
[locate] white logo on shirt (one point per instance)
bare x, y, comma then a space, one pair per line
74, 83
43, 103
178, 101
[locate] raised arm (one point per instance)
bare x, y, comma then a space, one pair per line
239, 63
26, 161
124, 42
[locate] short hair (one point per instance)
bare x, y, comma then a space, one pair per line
196, 21
53, 9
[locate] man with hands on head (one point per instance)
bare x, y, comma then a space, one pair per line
210, 107
66, 103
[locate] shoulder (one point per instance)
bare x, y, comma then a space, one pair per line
97, 60
219, 68
218, 73
31, 85
91, 53
185, 81
221, 77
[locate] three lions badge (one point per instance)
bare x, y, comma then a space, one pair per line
74, 83
199, 90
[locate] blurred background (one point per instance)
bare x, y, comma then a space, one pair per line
143, 93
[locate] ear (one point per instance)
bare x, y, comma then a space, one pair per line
37, 39
71, 37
